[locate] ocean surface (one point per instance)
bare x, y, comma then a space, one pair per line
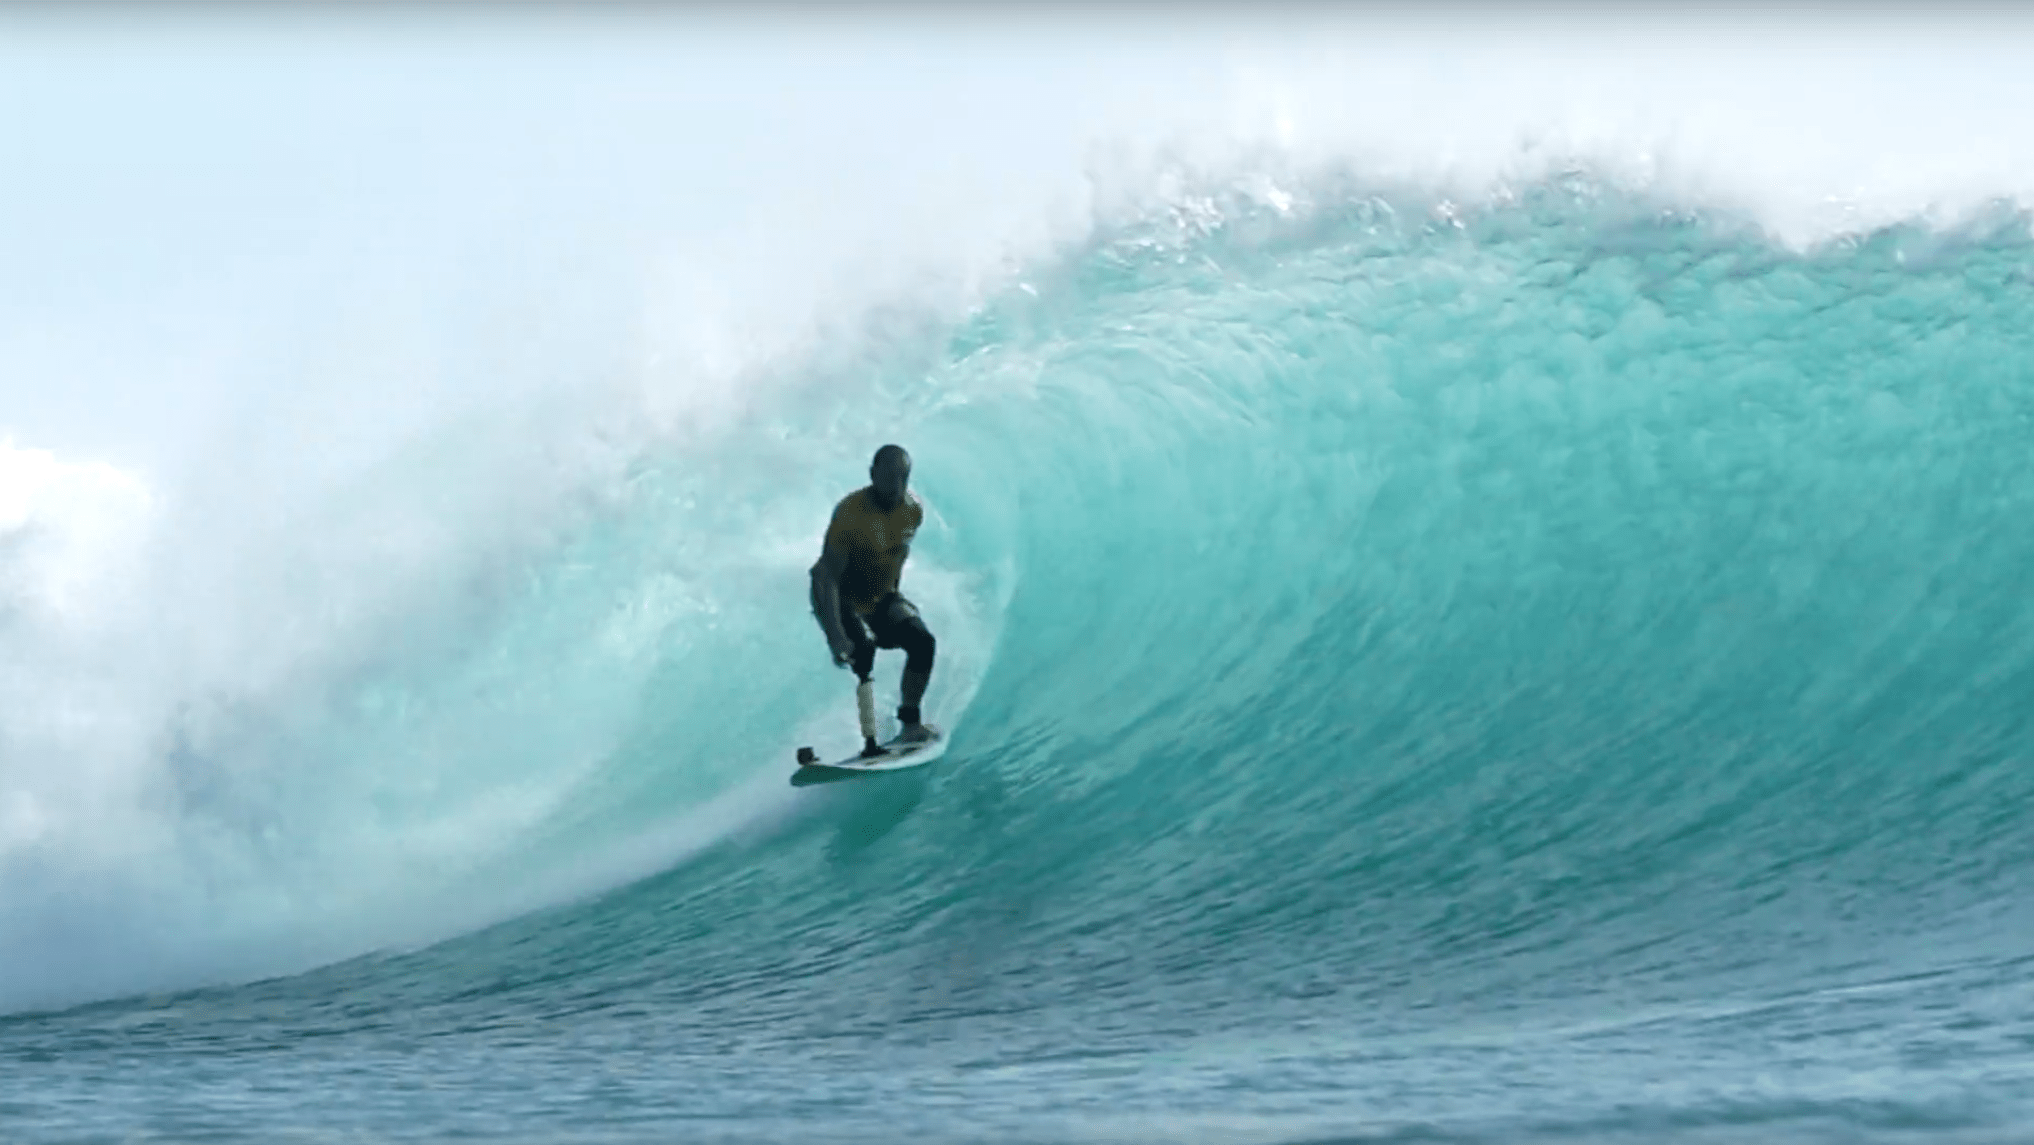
1553, 667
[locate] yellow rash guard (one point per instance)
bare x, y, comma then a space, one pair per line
876, 543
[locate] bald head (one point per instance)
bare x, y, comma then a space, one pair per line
890, 475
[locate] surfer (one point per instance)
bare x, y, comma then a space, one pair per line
855, 597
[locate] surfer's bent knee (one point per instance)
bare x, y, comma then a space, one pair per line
920, 647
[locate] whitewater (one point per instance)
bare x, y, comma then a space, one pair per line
1480, 585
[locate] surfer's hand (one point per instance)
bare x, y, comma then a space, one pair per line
843, 654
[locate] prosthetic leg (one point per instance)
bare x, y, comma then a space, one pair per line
865, 707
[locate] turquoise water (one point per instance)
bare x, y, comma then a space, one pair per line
1556, 670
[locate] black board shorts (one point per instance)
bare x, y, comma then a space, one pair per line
893, 623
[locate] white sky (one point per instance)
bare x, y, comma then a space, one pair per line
220, 231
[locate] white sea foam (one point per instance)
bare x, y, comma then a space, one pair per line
66, 528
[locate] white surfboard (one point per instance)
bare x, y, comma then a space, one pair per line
896, 757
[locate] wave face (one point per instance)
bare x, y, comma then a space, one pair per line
1555, 669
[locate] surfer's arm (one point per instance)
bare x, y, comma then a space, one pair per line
910, 531
826, 576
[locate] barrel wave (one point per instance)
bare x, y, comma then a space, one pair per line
1553, 668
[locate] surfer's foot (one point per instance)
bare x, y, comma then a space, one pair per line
871, 749
917, 733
